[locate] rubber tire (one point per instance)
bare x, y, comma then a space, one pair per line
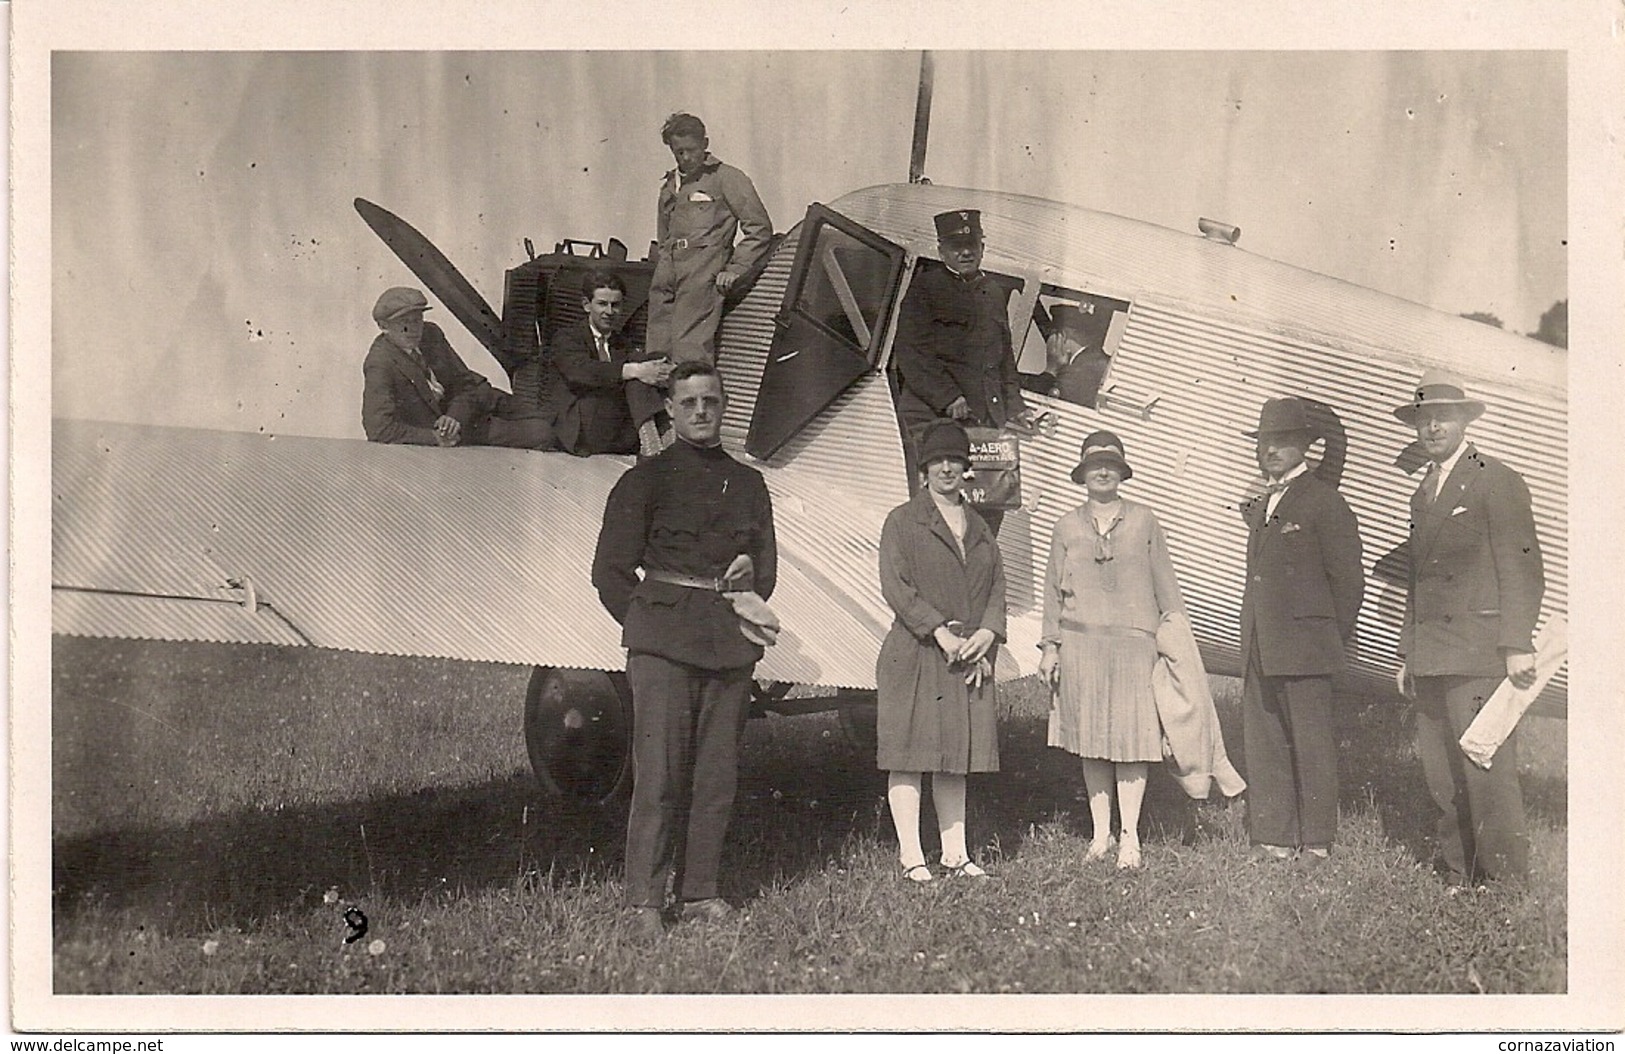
859, 715
578, 733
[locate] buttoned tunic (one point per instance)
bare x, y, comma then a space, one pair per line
953, 339
688, 511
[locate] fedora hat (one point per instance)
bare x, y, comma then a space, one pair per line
1287, 414
1438, 388
1101, 448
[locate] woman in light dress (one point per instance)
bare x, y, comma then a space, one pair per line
1109, 584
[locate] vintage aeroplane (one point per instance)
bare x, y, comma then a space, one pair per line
482, 554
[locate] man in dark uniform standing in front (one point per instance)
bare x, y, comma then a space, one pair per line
953, 350
691, 517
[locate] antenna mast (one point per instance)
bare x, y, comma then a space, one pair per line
922, 122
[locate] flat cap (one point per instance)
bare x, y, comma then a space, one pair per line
398, 301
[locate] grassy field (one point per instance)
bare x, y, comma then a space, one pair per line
216, 808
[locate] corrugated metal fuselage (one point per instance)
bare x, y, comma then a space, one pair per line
1210, 333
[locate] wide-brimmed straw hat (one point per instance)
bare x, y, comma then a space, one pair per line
1101, 448
1438, 389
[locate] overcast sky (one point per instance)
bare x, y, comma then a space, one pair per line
204, 239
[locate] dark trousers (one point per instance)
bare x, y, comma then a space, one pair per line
527, 431
1480, 813
1290, 741
686, 726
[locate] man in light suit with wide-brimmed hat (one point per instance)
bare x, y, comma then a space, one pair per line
1473, 598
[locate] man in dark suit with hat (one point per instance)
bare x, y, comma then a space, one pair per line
416, 389
953, 351
1303, 591
1472, 599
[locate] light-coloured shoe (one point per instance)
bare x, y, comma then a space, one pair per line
1097, 850
1128, 856
647, 923
968, 869
1313, 856
711, 909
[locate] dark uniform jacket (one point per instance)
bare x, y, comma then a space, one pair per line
590, 397
953, 339
1476, 575
397, 404
688, 511
1304, 580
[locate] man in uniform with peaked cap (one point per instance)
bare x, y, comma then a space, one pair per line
1303, 592
416, 389
1472, 599
953, 349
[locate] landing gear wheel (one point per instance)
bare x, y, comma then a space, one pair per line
578, 731
859, 716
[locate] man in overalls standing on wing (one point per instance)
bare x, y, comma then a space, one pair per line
703, 204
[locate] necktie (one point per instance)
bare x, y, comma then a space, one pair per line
1430, 483
603, 347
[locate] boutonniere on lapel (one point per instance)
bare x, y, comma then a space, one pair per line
1289, 527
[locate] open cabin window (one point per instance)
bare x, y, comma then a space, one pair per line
1066, 349
846, 287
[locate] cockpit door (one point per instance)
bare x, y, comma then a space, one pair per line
831, 327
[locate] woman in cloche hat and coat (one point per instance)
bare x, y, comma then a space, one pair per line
1109, 583
941, 573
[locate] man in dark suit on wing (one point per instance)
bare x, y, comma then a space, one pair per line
1304, 587
1473, 597
596, 376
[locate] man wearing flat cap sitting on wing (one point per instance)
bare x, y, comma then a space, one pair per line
1472, 600
953, 350
417, 390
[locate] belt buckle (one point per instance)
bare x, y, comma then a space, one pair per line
679, 243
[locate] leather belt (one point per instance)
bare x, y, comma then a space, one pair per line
1105, 631
714, 585
676, 243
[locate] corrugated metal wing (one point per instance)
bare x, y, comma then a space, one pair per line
94, 614
474, 553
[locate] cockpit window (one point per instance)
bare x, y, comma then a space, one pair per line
846, 287
1067, 349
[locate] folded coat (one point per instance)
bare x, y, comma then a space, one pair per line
1190, 723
